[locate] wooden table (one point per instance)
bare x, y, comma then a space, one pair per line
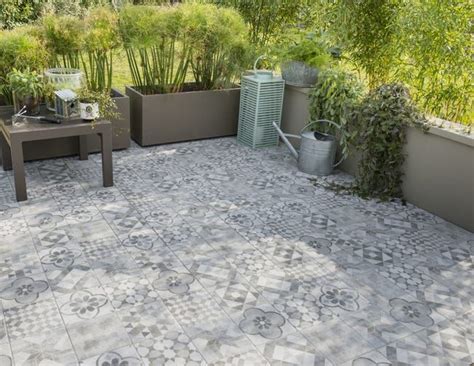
13, 136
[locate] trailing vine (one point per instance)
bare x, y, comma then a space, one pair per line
379, 134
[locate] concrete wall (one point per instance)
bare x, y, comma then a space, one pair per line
439, 169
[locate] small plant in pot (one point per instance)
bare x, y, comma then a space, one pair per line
27, 90
302, 55
94, 105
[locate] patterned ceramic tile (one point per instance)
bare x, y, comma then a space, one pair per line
83, 305
45, 348
215, 253
131, 292
32, 319
122, 356
96, 336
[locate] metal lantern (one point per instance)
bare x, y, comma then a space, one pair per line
261, 104
66, 103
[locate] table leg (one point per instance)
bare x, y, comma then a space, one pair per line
6, 153
18, 170
83, 151
107, 169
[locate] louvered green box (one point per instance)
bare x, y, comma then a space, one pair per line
261, 103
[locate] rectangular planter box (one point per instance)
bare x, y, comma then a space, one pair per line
165, 118
37, 150
439, 167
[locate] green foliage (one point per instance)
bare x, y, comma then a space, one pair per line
379, 133
334, 97
368, 29
19, 49
218, 43
157, 47
266, 18
107, 107
100, 39
16, 12
310, 48
25, 83
64, 38
438, 57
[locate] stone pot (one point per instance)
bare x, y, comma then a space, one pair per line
299, 74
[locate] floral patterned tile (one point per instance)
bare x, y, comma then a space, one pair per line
126, 356
131, 292
24, 290
83, 305
172, 348
264, 324
372, 358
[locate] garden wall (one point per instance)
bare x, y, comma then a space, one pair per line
439, 169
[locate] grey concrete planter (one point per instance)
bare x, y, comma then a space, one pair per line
439, 168
37, 150
165, 118
299, 74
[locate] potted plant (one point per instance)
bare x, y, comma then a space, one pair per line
20, 49
94, 105
27, 89
89, 44
166, 44
301, 56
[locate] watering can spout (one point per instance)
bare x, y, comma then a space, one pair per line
285, 140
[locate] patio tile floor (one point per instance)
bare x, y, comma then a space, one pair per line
209, 252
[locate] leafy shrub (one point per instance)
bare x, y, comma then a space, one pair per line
438, 60
16, 12
368, 30
379, 133
20, 49
218, 44
334, 97
266, 18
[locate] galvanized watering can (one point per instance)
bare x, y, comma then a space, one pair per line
317, 150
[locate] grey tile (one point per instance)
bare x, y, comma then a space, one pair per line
337, 341
45, 348
122, 356
96, 336
211, 252
32, 319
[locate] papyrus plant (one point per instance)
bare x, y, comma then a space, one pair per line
157, 47
219, 46
100, 40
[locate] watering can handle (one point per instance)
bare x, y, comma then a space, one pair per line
329, 122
